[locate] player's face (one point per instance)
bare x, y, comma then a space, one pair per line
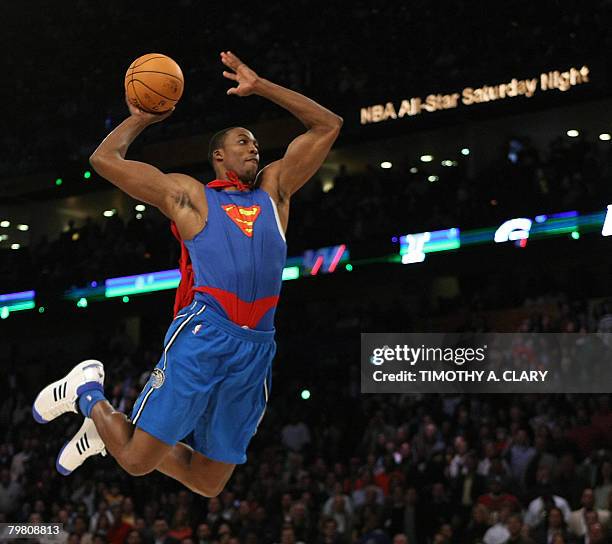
241, 153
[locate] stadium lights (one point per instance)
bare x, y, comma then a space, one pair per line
449, 163
431, 179
465, 151
5, 224
327, 185
572, 133
605, 137
426, 158
386, 165
138, 216
414, 170
15, 246
109, 213
23, 227
140, 207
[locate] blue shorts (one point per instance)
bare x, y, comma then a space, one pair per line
213, 380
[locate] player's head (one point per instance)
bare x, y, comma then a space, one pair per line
236, 149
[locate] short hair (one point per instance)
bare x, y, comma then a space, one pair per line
216, 142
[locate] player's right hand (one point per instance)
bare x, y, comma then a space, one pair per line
148, 118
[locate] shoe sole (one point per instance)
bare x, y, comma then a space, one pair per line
82, 366
62, 470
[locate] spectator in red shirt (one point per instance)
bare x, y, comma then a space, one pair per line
602, 419
584, 434
119, 530
496, 497
180, 525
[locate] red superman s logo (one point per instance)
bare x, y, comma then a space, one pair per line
243, 217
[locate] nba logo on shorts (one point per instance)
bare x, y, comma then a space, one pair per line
157, 378
196, 328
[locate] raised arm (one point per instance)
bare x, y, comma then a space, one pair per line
305, 153
170, 193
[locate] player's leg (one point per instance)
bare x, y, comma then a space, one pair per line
139, 453
197, 472
136, 451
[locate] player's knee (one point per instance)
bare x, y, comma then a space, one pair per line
137, 467
209, 489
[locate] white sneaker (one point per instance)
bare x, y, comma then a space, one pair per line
60, 396
85, 443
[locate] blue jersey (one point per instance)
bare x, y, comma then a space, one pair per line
239, 256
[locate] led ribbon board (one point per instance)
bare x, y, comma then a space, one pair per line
15, 302
414, 247
324, 260
142, 283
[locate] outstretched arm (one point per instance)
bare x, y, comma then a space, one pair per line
307, 152
168, 192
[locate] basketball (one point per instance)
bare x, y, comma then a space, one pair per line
154, 83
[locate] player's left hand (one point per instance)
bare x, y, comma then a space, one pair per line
241, 73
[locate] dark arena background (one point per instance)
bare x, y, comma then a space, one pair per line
470, 190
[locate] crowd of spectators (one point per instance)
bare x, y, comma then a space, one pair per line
339, 468
354, 54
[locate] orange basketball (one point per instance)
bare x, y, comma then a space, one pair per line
154, 83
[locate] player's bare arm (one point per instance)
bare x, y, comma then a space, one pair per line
307, 152
178, 196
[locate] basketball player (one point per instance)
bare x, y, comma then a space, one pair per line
213, 379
